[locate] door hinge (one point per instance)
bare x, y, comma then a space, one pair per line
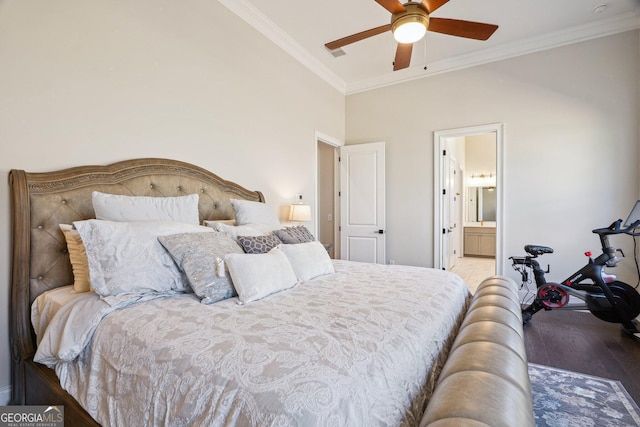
444, 152
339, 193
339, 159
444, 231
444, 191
339, 228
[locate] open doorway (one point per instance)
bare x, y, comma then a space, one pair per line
327, 213
326, 197
468, 203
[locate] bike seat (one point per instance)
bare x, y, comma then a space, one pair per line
536, 250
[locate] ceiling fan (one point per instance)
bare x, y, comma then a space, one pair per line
410, 22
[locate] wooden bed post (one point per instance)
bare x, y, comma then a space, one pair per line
19, 323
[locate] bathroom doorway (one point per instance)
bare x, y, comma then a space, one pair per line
473, 230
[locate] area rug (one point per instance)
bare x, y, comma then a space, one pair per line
567, 399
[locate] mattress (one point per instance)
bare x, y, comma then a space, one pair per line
362, 346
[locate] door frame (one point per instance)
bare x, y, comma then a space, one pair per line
336, 143
439, 138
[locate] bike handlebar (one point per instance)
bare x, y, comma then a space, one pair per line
614, 228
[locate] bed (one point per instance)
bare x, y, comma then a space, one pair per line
349, 344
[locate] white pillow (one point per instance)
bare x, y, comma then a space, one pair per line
113, 207
213, 222
77, 257
308, 260
234, 230
127, 258
248, 212
257, 275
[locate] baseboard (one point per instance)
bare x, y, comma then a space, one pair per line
5, 396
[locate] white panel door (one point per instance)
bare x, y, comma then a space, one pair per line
362, 201
449, 204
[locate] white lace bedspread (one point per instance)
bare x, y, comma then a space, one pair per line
357, 348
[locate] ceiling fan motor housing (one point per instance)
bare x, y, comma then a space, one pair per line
412, 13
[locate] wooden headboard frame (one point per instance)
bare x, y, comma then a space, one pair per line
42, 201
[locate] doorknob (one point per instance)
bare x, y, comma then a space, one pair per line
380, 231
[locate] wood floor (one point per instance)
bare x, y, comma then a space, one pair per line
580, 342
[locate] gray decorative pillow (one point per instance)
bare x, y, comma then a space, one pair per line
258, 244
195, 254
291, 235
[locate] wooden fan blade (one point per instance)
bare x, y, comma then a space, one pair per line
431, 5
392, 6
357, 37
460, 28
403, 56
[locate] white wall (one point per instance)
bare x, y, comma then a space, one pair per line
93, 82
571, 146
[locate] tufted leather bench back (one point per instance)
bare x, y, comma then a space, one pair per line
485, 380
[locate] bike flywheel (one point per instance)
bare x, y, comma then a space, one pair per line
552, 296
626, 297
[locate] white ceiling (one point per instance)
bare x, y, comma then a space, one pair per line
525, 26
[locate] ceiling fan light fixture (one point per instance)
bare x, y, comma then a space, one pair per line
409, 28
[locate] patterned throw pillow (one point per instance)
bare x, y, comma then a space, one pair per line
258, 244
298, 234
195, 254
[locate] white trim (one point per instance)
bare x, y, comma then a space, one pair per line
328, 139
270, 30
438, 159
619, 24
5, 396
259, 21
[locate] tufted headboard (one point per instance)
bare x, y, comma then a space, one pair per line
42, 201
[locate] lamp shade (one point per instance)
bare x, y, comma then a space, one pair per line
300, 212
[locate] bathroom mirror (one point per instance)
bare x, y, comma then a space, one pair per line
481, 204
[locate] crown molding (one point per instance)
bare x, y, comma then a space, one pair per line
256, 19
269, 29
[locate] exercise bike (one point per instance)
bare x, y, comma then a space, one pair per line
603, 295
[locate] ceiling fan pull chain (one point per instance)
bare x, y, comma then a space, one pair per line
425, 54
